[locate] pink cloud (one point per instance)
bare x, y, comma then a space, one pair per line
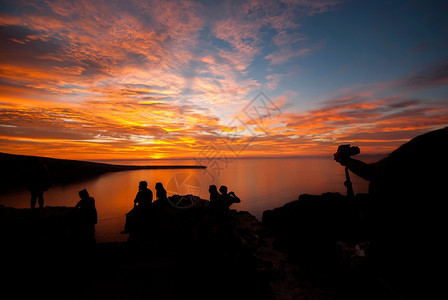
283, 55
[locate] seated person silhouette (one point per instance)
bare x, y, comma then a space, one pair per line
228, 198
142, 204
407, 189
144, 196
87, 210
161, 195
217, 204
215, 226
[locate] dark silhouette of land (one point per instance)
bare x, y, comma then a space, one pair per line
14, 169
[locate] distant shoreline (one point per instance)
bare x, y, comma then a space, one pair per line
65, 170
95, 163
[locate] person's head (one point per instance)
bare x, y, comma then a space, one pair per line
83, 194
223, 189
142, 185
159, 186
212, 189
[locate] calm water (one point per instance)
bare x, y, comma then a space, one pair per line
261, 184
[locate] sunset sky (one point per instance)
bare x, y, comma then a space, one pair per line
171, 79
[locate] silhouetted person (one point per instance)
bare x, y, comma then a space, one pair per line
408, 190
228, 198
142, 205
144, 196
214, 194
88, 214
215, 228
161, 195
217, 204
37, 180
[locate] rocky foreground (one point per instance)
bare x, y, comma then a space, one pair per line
312, 248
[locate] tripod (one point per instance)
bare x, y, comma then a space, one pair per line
348, 184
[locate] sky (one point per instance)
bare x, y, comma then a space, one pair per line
112, 79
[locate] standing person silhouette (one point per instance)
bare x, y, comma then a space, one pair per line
38, 181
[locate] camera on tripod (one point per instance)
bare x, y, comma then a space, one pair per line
345, 151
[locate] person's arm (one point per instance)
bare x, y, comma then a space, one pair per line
360, 168
137, 199
235, 199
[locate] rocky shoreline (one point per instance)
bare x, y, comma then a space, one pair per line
307, 249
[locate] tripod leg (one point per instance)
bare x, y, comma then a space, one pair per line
348, 184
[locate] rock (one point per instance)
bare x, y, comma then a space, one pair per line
314, 219
57, 226
321, 234
237, 250
42, 251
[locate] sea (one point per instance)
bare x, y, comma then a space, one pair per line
261, 184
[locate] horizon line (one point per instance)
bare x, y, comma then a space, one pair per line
238, 157
200, 158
